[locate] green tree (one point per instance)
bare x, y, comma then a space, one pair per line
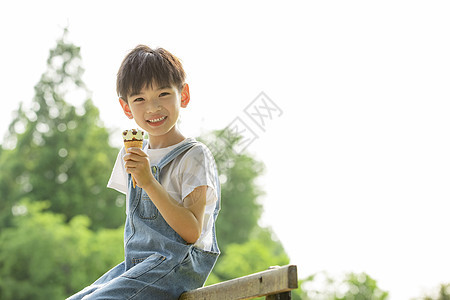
44, 257
353, 286
246, 247
442, 294
238, 173
58, 152
259, 253
360, 286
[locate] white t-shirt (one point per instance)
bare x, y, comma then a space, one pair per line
191, 169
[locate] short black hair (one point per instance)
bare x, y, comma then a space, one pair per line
145, 66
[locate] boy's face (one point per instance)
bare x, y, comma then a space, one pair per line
156, 109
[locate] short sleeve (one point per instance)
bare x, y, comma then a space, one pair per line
119, 176
198, 168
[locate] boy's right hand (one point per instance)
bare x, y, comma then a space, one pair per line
137, 163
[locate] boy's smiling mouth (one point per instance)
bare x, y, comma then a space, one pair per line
157, 121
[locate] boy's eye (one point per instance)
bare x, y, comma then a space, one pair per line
163, 94
138, 99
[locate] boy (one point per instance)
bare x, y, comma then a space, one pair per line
170, 243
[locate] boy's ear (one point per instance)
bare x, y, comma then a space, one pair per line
185, 96
126, 108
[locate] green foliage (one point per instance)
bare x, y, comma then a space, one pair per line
43, 257
353, 286
246, 247
260, 252
58, 152
442, 294
360, 286
238, 172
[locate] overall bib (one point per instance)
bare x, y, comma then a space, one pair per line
158, 264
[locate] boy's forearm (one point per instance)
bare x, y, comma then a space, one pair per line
181, 219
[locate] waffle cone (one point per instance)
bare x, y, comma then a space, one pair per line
130, 144
133, 144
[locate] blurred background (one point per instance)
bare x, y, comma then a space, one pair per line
343, 164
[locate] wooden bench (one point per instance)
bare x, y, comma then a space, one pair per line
275, 284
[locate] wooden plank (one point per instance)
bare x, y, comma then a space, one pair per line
273, 281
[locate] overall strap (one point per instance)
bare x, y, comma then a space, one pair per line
145, 144
156, 169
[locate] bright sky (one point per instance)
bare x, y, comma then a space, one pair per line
357, 150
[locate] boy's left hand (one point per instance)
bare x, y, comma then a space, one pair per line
137, 163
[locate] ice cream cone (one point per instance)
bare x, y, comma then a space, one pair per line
131, 144
133, 138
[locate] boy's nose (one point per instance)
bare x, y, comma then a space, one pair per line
153, 106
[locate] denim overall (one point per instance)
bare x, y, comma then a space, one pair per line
158, 264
